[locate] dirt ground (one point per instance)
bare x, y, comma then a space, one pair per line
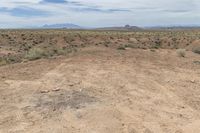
102, 90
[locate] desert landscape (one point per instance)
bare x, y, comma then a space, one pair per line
99, 81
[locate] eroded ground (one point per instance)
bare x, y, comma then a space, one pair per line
102, 90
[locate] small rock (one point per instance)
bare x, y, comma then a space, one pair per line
54, 109
127, 48
71, 84
56, 89
196, 62
192, 81
44, 91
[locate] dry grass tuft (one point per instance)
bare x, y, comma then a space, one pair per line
181, 52
35, 53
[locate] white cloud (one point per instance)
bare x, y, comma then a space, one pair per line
142, 12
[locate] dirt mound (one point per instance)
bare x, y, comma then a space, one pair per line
195, 45
102, 90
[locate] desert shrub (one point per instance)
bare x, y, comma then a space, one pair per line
13, 58
133, 40
2, 61
152, 50
156, 46
181, 52
121, 48
61, 51
35, 53
196, 50
131, 45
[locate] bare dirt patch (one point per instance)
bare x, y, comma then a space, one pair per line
103, 90
63, 99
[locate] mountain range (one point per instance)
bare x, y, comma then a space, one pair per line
74, 26
62, 26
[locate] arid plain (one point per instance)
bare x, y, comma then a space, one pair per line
70, 81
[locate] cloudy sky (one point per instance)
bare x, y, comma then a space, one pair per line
99, 13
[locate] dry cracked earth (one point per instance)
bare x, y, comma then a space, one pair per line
102, 90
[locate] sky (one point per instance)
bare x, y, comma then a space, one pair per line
99, 13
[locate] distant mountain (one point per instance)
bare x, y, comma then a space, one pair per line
125, 28
173, 27
62, 26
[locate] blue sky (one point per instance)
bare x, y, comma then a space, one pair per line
99, 13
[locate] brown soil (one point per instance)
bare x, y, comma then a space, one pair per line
102, 90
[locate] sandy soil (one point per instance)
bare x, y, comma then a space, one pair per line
102, 90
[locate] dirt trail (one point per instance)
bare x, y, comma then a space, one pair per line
105, 91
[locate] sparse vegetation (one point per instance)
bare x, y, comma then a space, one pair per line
2, 61
130, 45
121, 48
35, 53
109, 66
196, 50
36, 44
155, 46
181, 52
